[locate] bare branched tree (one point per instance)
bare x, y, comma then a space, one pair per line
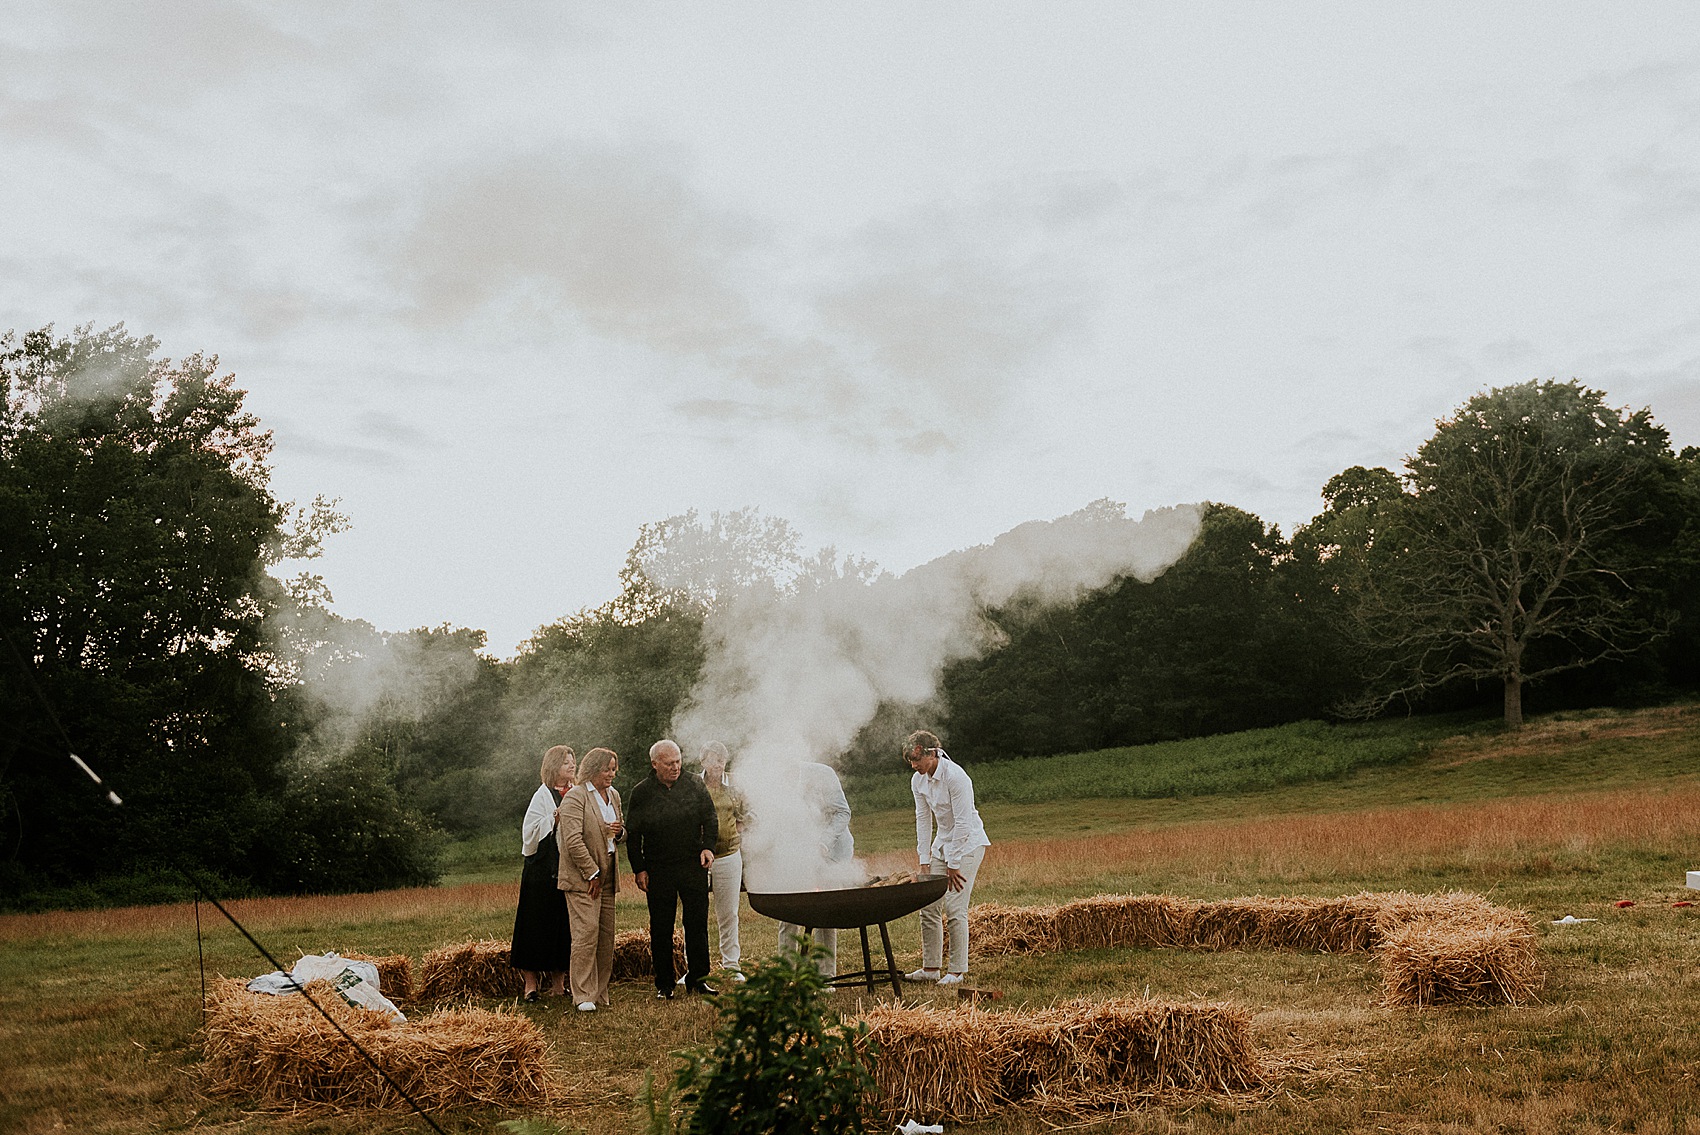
1517, 551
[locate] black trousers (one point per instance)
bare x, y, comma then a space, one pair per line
672, 885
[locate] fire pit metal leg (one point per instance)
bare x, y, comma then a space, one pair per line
867, 962
890, 963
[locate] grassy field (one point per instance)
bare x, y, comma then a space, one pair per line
98, 1009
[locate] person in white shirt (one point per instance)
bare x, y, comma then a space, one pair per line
542, 942
949, 837
822, 796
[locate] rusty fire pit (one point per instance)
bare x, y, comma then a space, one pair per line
853, 908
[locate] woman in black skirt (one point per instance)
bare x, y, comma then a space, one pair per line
543, 944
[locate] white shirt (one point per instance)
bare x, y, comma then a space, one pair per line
608, 813
945, 801
539, 820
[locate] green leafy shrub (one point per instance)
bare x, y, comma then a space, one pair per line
781, 1061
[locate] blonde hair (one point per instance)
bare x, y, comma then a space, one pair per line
920, 739
553, 758
595, 761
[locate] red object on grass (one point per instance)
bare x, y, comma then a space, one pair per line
1684, 902
1624, 902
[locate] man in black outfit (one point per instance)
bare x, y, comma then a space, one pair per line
671, 831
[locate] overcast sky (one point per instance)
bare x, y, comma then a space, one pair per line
513, 279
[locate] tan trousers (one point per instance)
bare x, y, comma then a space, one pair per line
592, 922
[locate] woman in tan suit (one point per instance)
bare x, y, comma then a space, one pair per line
590, 825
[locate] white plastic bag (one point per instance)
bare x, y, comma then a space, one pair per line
356, 982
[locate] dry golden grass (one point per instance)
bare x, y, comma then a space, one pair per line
266, 914
1563, 731
1371, 842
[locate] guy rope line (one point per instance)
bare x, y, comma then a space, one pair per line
203, 890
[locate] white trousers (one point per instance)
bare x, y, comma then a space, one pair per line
790, 935
948, 914
726, 876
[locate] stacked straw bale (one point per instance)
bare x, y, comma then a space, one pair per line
1435, 948
1442, 963
631, 956
469, 970
1124, 920
997, 929
481, 970
281, 1051
967, 1064
395, 974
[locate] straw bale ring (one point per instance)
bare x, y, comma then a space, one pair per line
1445, 962
1125, 921
632, 961
969, 1064
1000, 930
936, 1064
469, 970
1329, 926
1227, 924
395, 973
1149, 1044
1397, 909
282, 1051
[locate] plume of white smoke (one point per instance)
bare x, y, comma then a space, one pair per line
353, 675
792, 680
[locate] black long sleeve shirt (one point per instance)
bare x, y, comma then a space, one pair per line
666, 826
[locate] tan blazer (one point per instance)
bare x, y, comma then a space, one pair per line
583, 839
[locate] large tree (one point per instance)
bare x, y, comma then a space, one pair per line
135, 525
1527, 544
137, 531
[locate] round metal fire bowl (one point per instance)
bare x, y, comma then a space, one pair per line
850, 907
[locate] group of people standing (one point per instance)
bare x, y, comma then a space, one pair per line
683, 833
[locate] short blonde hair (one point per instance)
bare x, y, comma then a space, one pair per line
595, 761
920, 739
553, 758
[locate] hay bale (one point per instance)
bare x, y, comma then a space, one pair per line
468, 970
1125, 921
994, 929
1390, 911
281, 1051
1459, 962
1079, 1058
631, 956
395, 974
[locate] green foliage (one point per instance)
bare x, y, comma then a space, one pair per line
593, 679
136, 533
1299, 753
1529, 545
341, 827
1221, 641
653, 1107
134, 529
778, 1064
531, 1125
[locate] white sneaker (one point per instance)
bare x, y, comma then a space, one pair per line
738, 977
923, 975
951, 979
587, 1006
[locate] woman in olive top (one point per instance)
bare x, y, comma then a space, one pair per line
727, 873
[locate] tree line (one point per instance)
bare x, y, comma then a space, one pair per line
1540, 549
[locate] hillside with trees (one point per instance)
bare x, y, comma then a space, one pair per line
1541, 550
